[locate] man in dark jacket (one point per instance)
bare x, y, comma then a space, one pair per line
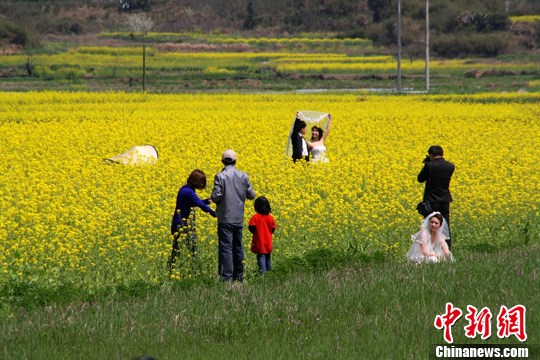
299, 144
437, 173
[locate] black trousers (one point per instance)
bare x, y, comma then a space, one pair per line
444, 209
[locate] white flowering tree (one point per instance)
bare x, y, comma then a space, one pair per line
140, 25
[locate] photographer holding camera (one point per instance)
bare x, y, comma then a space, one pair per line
437, 173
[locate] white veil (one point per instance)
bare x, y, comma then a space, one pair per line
442, 234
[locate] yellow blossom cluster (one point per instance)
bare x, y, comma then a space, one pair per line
66, 216
121, 60
387, 63
525, 18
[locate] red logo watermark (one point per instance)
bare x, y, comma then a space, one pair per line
479, 322
509, 322
512, 322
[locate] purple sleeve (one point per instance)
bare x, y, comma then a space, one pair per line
200, 203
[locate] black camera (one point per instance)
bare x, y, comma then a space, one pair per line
426, 159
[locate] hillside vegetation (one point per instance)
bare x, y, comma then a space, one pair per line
458, 27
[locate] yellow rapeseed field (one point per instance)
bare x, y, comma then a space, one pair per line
111, 62
65, 217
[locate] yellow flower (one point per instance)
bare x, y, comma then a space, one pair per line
65, 216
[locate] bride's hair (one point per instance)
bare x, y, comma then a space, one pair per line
320, 131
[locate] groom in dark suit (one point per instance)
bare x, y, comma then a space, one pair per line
299, 144
437, 173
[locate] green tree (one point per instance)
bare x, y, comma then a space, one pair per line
250, 20
379, 8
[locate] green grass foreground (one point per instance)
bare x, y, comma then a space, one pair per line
376, 309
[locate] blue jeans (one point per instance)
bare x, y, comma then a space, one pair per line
231, 252
265, 262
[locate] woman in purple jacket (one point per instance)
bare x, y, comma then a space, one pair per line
183, 220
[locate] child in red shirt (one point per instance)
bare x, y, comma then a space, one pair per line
262, 226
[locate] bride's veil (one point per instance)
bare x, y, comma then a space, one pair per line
443, 233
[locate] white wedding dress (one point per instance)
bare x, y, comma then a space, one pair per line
319, 154
415, 251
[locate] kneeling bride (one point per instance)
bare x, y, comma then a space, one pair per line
429, 245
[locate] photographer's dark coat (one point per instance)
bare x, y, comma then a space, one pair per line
437, 174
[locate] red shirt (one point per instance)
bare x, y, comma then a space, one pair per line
262, 238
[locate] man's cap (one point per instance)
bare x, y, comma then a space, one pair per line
228, 155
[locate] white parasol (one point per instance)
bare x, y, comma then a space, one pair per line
140, 154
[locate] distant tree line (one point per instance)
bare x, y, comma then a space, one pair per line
457, 27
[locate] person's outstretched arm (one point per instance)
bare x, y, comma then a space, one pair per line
296, 126
201, 204
327, 131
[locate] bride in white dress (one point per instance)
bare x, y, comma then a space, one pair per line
316, 144
429, 245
